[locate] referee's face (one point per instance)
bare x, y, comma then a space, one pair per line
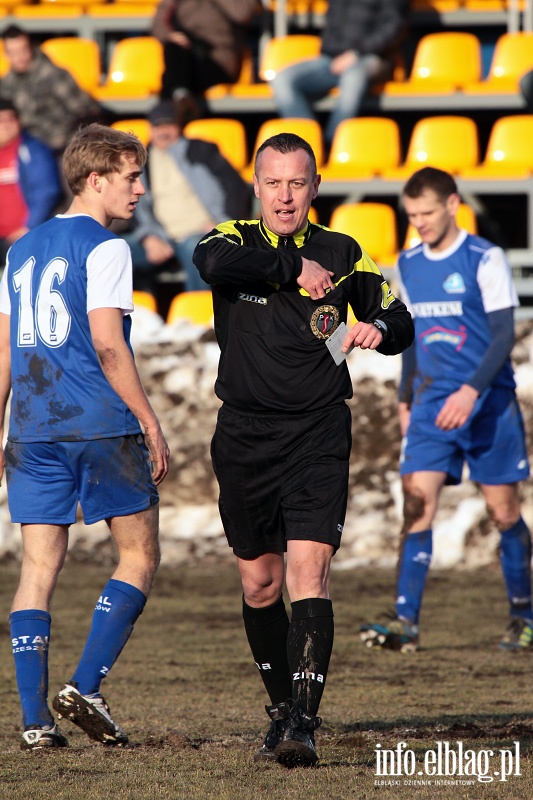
285, 184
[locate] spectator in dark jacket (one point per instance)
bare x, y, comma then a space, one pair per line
190, 188
203, 44
48, 99
30, 187
360, 41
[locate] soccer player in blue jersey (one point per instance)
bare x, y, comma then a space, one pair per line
457, 403
78, 415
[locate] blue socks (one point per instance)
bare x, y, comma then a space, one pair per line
415, 559
515, 558
116, 612
30, 637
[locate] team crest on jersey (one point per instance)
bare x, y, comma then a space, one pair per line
324, 321
454, 284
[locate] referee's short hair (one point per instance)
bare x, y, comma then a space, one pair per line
439, 181
287, 143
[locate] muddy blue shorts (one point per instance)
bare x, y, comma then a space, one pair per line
109, 478
492, 442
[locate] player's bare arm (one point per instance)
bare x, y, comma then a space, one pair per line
119, 368
315, 279
5, 381
457, 408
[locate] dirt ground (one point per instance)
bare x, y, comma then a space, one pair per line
188, 694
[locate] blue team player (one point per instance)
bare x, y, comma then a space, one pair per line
74, 432
457, 403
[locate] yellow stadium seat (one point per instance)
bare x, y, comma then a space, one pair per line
509, 152
313, 216
435, 5
443, 62
228, 134
513, 56
80, 57
145, 299
448, 142
195, 307
465, 218
308, 129
374, 227
140, 127
130, 8
135, 69
279, 52
4, 63
362, 148
47, 11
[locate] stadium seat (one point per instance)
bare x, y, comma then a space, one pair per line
509, 151
228, 134
308, 129
135, 69
374, 227
195, 307
80, 57
465, 217
435, 5
279, 52
313, 216
46, 11
443, 62
4, 63
447, 142
513, 56
140, 127
118, 9
362, 148
145, 299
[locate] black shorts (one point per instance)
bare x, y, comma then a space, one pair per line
282, 477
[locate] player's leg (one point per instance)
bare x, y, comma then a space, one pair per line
421, 491
503, 504
309, 646
119, 605
115, 483
498, 462
43, 555
266, 624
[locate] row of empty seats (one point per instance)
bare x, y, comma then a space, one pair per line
367, 147
444, 63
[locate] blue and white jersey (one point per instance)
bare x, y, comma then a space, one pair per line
54, 276
449, 295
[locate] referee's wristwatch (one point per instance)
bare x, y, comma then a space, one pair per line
381, 326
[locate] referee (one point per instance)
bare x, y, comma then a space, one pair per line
281, 288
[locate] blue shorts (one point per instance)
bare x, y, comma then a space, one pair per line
492, 442
109, 478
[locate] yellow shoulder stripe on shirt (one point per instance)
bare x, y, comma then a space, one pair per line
365, 264
224, 230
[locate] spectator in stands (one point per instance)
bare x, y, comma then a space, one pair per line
360, 43
48, 99
190, 188
203, 41
30, 187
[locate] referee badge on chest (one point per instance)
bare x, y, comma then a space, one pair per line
324, 321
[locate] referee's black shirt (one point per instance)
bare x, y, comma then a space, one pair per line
271, 333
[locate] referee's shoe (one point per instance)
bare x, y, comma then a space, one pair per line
296, 747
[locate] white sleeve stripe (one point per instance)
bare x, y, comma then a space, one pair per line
495, 281
109, 276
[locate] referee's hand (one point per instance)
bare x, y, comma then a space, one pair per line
315, 279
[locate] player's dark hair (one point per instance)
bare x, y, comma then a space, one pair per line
287, 143
13, 32
98, 148
439, 181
